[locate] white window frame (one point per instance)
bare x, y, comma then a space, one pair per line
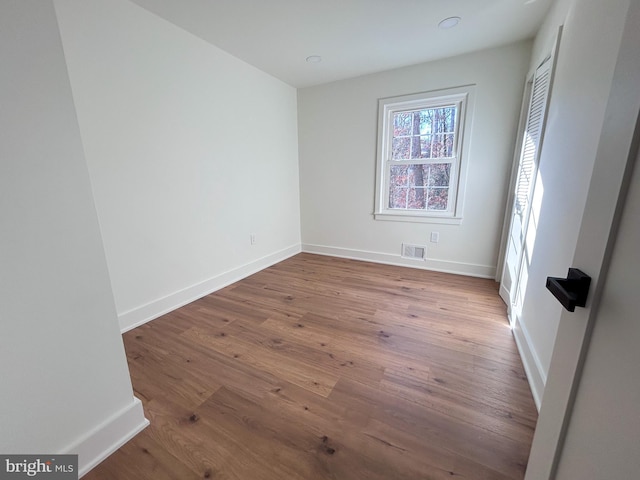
463, 98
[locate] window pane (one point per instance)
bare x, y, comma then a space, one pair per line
397, 197
419, 175
399, 176
448, 145
437, 198
439, 174
425, 121
425, 146
401, 148
442, 145
443, 120
402, 123
417, 198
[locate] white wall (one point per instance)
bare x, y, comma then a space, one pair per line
546, 36
337, 136
190, 151
583, 78
64, 378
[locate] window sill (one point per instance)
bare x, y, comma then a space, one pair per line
394, 217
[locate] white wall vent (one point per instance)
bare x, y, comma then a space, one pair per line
415, 252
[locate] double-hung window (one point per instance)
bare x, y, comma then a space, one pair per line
420, 156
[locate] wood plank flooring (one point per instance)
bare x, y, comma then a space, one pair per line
325, 368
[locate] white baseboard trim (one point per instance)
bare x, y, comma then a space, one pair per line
482, 271
535, 373
143, 314
109, 436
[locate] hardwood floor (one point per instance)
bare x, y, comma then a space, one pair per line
325, 368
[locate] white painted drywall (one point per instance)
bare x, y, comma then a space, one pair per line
546, 36
337, 137
584, 72
190, 151
63, 372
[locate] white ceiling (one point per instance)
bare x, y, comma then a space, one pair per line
353, 37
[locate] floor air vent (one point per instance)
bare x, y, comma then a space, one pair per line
415, 252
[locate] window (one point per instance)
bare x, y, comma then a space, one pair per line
420, 156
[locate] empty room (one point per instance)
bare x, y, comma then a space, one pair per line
319, 240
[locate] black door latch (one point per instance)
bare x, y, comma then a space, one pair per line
572, 291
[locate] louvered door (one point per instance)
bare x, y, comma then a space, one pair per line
517, 256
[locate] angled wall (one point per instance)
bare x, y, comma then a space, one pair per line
63, 373
190, 152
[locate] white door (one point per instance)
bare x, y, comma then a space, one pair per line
517, 255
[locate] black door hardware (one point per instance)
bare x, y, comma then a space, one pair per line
572, 291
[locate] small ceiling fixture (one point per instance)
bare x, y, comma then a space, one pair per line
449, 22
314, 59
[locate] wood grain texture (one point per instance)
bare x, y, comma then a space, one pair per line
325, 368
